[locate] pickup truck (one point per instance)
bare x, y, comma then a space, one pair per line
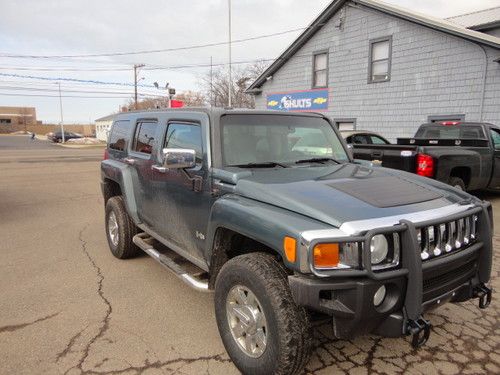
232, 202
465, 155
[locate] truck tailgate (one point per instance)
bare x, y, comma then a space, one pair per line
390, 156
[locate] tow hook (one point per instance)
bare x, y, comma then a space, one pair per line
484, 294
420, 329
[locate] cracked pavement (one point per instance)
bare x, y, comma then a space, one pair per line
68, 307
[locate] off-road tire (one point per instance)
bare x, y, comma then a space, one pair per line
126, 229
457, 182
288, 330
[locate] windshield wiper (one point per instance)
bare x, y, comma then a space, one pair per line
316, 160
266, 164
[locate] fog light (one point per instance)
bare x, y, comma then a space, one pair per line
379, 296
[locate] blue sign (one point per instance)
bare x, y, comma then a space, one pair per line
299, 101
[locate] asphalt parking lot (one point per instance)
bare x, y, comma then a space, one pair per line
68, 306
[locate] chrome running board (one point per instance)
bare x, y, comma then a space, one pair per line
145, 242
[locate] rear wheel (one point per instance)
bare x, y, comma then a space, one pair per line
263, 330
120, 229
457, 183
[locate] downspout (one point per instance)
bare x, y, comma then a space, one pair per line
483, 90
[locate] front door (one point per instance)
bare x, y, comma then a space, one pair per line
495, 176
182, 207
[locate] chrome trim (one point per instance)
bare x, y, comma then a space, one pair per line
356, 227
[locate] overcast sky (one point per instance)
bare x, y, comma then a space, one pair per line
69, 27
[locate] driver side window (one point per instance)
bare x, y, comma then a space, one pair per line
187, 136
495, 136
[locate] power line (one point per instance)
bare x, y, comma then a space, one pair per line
72, 80
65, 96
143, 52
24, 88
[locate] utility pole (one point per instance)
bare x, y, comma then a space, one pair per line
230, 84
61, 109
211, 83
136, 67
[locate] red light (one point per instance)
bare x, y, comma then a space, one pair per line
425, 165
450, 123
106, 154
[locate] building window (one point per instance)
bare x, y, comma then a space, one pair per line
380, 60
5, 120
320, 69
346, 124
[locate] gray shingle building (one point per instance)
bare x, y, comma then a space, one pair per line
374, 66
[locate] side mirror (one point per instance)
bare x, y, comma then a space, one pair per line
350, 150
178, 158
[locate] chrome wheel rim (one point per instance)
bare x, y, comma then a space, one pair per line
113, 228
247, 321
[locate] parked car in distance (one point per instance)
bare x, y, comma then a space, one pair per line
248, 204
57, 136
465, 155
363, 137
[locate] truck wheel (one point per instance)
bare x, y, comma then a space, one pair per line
457, 182
120, 229
263, 330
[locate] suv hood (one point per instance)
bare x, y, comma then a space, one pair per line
342, 193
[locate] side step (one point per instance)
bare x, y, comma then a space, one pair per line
195, 280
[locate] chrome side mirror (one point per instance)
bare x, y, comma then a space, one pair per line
178, 158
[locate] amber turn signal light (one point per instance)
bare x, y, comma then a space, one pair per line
326, 255
290, 246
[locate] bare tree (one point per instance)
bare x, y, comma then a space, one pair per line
192, 98
147, 103
215, 85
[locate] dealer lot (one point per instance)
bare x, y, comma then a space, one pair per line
68, 306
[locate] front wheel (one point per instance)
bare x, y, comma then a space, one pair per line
263, 330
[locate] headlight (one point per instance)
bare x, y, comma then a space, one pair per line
379, 248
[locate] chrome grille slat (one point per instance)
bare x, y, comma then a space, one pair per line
436, 240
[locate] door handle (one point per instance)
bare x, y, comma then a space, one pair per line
159, 168
129, 161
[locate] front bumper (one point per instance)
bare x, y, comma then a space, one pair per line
414, 288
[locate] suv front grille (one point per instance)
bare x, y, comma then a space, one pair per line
440, 239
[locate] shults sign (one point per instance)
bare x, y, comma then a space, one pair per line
297, 101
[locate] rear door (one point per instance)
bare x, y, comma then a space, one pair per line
495, 176
140, 158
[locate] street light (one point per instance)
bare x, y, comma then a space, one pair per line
63, 139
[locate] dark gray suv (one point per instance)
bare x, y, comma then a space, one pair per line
238, 202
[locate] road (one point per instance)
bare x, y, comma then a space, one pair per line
68, 307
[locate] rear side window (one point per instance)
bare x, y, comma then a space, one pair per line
144, 137
377, 140
187, 136
120, 132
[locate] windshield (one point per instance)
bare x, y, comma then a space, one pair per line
450, 132
285, 139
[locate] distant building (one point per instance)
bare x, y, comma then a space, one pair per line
11, 117
375, 66
102, 126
